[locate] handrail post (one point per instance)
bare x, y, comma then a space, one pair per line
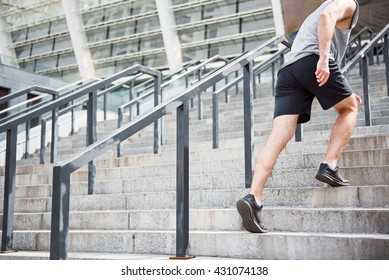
386, 61
27, 140
54, 133
157, 123
298, 135
72, 113
200, 107
43, 142
91, 137
248, 105
9, 190
60, 214
215, 121
120, 123
182, 207
366, 97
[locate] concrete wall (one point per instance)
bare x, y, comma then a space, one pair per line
16, 79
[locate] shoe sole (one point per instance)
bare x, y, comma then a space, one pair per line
248, 217
331, 181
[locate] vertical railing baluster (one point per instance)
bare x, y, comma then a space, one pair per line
91, 137
182, 207
248, 101
54, 133
366, 97
60, 214
157, 123
9, 190
215, 121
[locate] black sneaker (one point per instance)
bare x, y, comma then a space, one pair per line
250, 212
331, 176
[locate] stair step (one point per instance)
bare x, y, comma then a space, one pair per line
274, 245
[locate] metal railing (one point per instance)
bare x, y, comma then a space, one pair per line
195, 71
10, 127
277, 57
23, 93
181, 103
364, 57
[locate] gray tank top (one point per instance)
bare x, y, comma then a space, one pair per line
307, 43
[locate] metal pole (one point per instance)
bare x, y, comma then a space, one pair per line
386, 61
9, 190
366, 98
27, 142
248, 101
120, 122
54, 133
60, 214
157, 123
43, 142
91, 137
215, 121
298, 135
182, 208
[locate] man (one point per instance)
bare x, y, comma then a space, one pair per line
311, 70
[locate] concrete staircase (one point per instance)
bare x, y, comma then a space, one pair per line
132, 212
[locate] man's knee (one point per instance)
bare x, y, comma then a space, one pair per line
284, 126
348, 105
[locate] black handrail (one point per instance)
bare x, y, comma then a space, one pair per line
11, 126
25, 92
362, 57
257, 70
142, 97
180, 103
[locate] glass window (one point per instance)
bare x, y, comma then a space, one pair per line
155, 60
149, 43
148, 24
223, 29
125, 48
97, 35
121, 30
192, 34
101, 52
66, 60
19, 35
46, 63
249, 5
37, 31
93, 17
42, 47
58, 26
62, 43
194, 53
23, 52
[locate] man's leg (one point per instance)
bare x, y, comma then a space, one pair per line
250, 206
283, 130
340, 135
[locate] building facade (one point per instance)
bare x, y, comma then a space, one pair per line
75, 39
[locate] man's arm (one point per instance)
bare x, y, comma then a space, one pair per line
339, 13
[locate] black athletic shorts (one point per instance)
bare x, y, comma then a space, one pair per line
297, 87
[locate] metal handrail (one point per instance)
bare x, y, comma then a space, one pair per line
257, 70
24, 92
137, 100
362, 57
11, 126
180, 103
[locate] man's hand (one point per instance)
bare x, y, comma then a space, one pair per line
322, 71
358, 99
